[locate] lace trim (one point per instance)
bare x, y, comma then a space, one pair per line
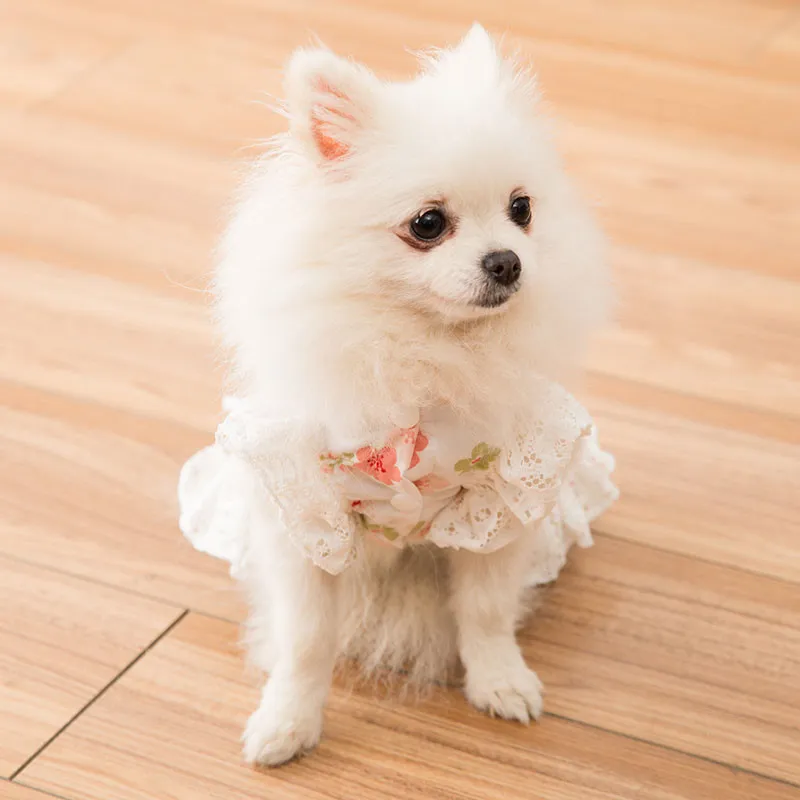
310, 509
551, 481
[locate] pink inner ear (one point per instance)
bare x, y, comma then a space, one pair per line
323, 129
329, 147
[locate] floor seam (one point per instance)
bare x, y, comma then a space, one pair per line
86, 706
43, 792
605, 534
677, 750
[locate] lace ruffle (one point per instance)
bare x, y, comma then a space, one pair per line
526, 483
550, 482
310, 509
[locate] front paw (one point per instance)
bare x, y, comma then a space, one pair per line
511, 691
285, 725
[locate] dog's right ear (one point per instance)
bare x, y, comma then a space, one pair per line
331, 102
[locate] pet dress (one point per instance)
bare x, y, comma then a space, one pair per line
432, 478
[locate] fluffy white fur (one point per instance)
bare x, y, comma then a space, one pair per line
333, 318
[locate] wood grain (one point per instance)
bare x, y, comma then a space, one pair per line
60, 448
41, 57
670, 650
14, 791
185, 701
61, 641
676, 651
714, 493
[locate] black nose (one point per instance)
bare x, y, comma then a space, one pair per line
503, 266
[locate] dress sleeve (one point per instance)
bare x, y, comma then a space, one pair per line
255, 458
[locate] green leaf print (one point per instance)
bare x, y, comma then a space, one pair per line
388, 533
330, 461
482, 456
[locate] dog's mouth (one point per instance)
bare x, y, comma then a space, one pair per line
493, 296
485, 300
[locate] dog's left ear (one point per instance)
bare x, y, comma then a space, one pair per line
478, 45
331, 102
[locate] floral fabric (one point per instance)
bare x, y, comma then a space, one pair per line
436, 481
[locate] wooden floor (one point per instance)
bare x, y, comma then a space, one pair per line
671, 651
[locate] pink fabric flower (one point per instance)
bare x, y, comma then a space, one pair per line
420, 444
379, 464
431, 483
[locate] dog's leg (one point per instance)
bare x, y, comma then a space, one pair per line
486, 591
296, 601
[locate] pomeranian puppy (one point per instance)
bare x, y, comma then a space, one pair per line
407, 274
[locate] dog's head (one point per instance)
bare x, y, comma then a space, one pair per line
439, 190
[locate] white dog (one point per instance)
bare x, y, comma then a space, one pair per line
406, 275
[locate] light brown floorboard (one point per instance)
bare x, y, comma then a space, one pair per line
169, 728
15, 791
123, 126
679, 652
62, 640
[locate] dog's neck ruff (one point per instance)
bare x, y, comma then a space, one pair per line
431, 478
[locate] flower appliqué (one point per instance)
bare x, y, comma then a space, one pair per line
329, 461
480, 459
420, 443
379, 464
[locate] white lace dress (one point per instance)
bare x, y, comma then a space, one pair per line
430, 479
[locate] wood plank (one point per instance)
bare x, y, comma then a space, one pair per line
116, 345
621, 26
581, 72
93, 493
15, 791
676, 651
85, 236
627, 25
637, 27
211, 94
51, 153
121, 128
40, 57
688, 196
61, 641
738, 348
651, 183
171, 726
780, 51
121, 422
702, 490
718, 414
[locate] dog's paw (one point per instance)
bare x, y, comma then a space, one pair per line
283, 727
512, 692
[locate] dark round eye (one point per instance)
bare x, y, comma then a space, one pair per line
429, 225
520, 211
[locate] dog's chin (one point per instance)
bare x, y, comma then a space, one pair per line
488, 302
492, 298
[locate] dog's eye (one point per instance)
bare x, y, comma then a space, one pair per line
429, 225
520, 211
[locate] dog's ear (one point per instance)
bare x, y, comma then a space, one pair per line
331, 102
475, 58
477, 45
479, 57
